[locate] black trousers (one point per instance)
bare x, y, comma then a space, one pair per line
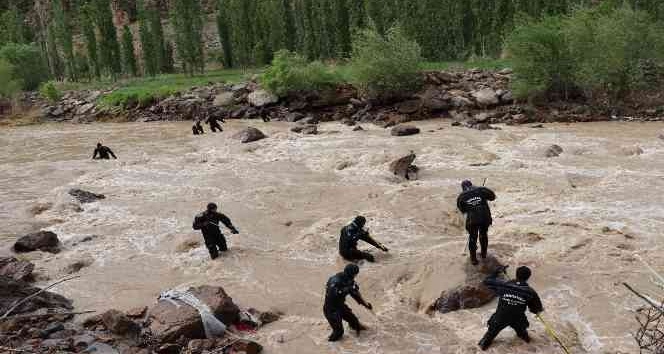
496, 325
215, 242
357, 255
475, 232
215, 126
335, 315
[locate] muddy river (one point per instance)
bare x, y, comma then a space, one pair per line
578, 220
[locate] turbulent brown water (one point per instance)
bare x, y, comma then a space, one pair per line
549, 215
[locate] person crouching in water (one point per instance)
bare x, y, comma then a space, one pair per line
353, 233
514, 297
335, 309
474, 202
197, 128
208, 222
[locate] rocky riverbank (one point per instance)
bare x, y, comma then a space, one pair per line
474, 98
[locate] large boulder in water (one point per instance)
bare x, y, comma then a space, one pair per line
12, 291
553, 151
169, 322
404, 167
45, 241
118, 323
85, 196
249, 135
405, 130
16, 269
473, 293
486, 97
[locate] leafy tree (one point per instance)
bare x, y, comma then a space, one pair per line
64, 37
224, 28
150, 60
109, 47
88, 29
12, 29
128, 54
29, 66
187, 22
10, 85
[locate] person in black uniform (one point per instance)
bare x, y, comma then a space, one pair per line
197, 128
208, 222
335, 309
514, 297
214, 123
350, 235
102, 153
474, 202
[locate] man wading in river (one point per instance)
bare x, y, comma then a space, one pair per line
514, 297
335, 309
102, 153
208, 222
474, 202
350, 235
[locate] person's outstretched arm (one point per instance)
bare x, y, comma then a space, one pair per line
227, 222
535, 304
112, 154
364, 236
94, 154
355, 294
488, 194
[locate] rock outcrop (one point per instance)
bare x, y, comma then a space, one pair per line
249, 135
404, 167
405, 130
85, 196
16, 269
12, 291
45, 241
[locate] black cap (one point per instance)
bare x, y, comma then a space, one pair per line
351, 270
211, 206
523, 273
98, 144
360, 221
465, 185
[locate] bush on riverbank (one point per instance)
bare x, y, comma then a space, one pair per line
601, 52
29, 65
291, 72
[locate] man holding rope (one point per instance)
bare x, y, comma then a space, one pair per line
515, 296
474, 202
208, 222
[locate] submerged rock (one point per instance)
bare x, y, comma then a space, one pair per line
405, 130
553, 151
404, 167
16, 269
249, 135
85, 196
473, 293
45, 241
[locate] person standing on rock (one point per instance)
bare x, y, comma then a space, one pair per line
208, 222
335, 309
103, 153
514, 297
353, 233
197, 128
474, 202
214, 123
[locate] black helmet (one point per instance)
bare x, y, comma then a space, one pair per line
360, 221
211, 207
98, 144
466, 185
523, 273
351, 270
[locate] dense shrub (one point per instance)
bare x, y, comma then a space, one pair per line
10, 86
387, 66
603, 51
49, 91
29, 65
291, 72
541, 58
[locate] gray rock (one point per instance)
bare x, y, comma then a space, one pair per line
409, 107
294, 117
223, 99
553, 151
101, 348
249, 135
404, 167
485, 97
506, 71
118, 323
45, 241
239, 87
306, 129
405, 130
461, 102
260, 98
76, 266
507, 98
85, 109
85, 196
16, 269
83, 341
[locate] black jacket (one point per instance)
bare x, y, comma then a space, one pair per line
209, 222
350, 235
475, 203
103, 152
513, 299
338, 287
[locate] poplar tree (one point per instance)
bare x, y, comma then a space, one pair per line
187, 22
128, 53
64, 38
88, 29
224, 30
109, 47
12, 29
150, 65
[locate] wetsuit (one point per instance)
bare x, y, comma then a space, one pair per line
474, 203
208, 222
514, 298
102, 153
350, 235
197, 129
335, 309
214, 124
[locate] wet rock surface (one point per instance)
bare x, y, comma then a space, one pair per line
45, 241
85, 196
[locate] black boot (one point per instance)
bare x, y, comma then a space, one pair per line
484, 343
473, 258
335, 336
524, 336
